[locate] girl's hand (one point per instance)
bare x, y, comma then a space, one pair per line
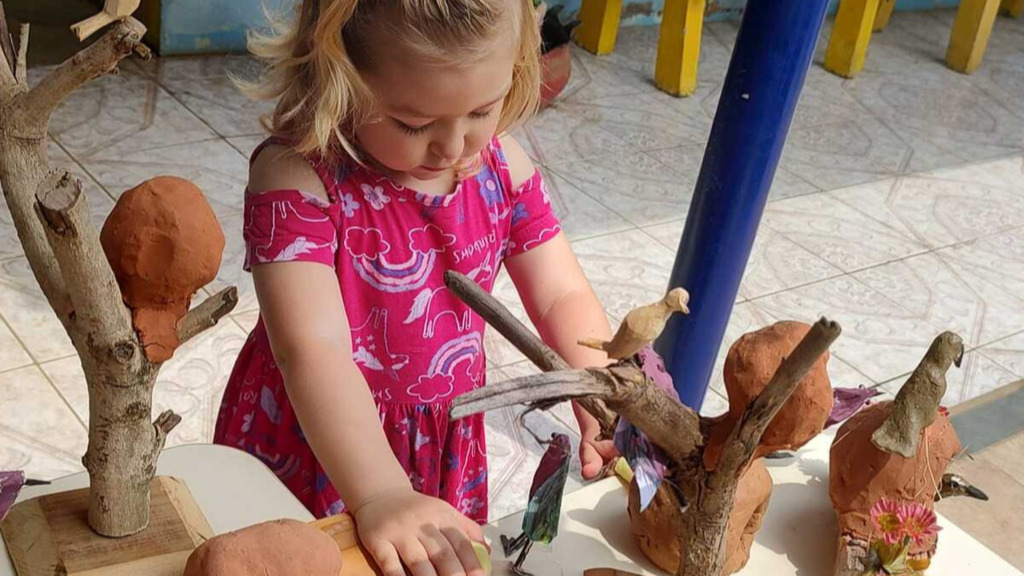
402, 527
594, 455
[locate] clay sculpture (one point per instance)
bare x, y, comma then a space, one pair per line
711, 514
276, 548
164, 243
893, 453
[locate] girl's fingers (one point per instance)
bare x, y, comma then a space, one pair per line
471, 529
590, 460
386, 557
464, 549
442, 553
415, 557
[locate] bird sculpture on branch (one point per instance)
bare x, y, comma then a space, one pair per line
955, 485
641, 326
113, 10
540, 524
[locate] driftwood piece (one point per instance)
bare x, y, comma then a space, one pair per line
675, 428
62, 246
525, 341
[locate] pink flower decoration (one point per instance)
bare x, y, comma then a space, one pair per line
917, 522
887, 518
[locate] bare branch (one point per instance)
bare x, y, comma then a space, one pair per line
743, 439
669, 424
207, 314
495, 314
6, 44
99, 58
100, 313
21, 67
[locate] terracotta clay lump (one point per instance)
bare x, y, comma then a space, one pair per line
164, 243
276, 548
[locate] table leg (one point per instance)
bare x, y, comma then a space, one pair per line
883, 15
971, 29
599, 25
675, 71
1013, 8
851, 35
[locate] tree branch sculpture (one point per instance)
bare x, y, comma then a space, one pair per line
63, 249
624, 389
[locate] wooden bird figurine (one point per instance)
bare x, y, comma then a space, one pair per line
113, 10
917, 402
955, 485
641, 326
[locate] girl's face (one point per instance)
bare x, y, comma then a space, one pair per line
429, 118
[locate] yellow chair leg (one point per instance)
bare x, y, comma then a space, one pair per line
599, 25
884, 14
675, 71
851, 34
971, 29
1013, 7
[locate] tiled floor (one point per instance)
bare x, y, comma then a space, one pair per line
898, 210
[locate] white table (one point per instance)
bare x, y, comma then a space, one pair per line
798, 537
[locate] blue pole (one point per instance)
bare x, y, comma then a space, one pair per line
769, 62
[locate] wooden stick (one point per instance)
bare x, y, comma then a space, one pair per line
21, 68
6, 42
743, 439
95, 295
495, 314
207, 314
625, 389
99, 58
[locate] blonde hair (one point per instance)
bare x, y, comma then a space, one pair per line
313, 61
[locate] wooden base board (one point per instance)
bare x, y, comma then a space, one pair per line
355, 561
50, 535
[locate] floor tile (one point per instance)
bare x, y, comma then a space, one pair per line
204, 85
581, 215
714, 404
776, 263
246, 144
29, 315
563, 412
976, 376
1008, 353
246, 320
835, 232
998, 260
556, 136
35, 420
746, 317
880, 339
1008, 456
191, 383
949, 297
645, 121
595, 77
124, 113
637, 187
100, 203
12, 353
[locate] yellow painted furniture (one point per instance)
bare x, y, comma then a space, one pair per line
675, 71
856, 19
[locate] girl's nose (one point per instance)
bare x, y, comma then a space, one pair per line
449, 145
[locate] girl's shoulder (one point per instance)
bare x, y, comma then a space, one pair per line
275, 165
511, 162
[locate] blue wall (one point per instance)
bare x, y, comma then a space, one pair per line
211, 26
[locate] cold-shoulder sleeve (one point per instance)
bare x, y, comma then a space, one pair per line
289, 226
533, 220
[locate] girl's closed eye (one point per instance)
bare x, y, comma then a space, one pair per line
412, 130
481, 114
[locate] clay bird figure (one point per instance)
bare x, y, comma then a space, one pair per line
113, 10
540, 524
917, 402
955, 485
641, 326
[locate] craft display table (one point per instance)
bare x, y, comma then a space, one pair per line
235, 490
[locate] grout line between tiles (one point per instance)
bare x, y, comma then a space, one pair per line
59, 394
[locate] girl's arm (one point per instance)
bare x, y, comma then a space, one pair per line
563, 308
302, 308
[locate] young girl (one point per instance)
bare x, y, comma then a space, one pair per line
384, 171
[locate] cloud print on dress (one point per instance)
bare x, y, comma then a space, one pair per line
365, 243
431, 387
429, 239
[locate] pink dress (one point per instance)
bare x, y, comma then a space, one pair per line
417, 345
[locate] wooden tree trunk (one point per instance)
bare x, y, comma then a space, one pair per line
63, 249
624, 390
